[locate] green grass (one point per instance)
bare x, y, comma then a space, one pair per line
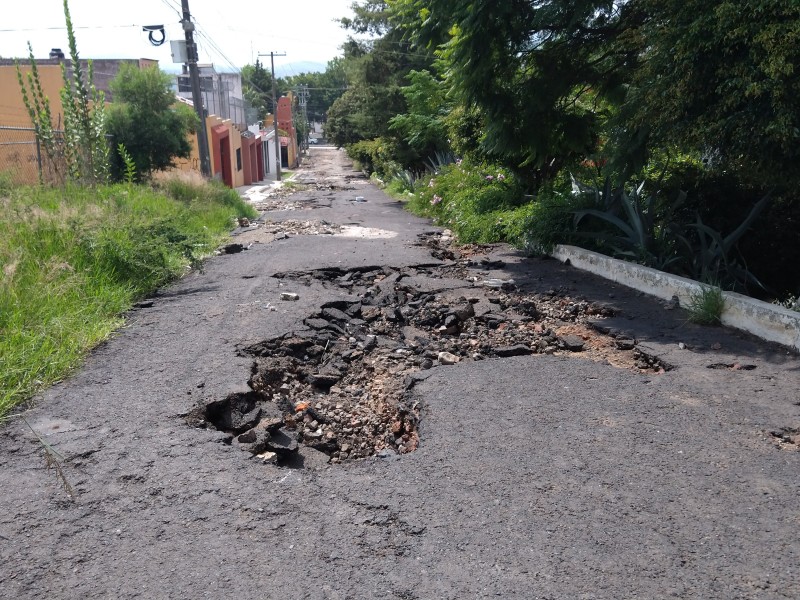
73, 260
706, 306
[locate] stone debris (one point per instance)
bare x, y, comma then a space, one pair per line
282, 229
290, 296
344, 385
447, 358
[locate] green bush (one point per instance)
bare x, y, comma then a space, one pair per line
376, 156
476, 201
549, 221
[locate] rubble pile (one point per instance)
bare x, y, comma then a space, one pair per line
343, 385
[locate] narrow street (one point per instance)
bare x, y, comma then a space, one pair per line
345, 405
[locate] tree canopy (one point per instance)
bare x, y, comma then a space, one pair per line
146, 119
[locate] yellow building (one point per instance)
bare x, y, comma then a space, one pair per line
19, 154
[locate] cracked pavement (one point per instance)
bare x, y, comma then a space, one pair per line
548, 475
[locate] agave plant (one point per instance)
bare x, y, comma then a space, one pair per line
640, 230
439, 159
406, 180
714, 256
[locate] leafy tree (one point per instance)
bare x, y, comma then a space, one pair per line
324, 88
147, 121
376, 72
720, 78
536, 71
423, 127
257, 88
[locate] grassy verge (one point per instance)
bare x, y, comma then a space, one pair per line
73, 260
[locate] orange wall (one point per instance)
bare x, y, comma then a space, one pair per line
12, 109
193, 162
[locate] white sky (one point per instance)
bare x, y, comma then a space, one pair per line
240, 29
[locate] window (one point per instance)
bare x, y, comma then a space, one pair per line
238, 159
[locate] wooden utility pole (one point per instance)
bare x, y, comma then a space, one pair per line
272, 56
197, 97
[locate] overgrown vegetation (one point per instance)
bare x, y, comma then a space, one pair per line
73, 260
38, 106
662, 132
85, 145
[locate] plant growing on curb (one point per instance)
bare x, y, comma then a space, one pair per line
792, 303
706, 305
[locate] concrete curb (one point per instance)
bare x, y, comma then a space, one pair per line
767, 321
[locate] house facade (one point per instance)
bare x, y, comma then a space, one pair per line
241, 153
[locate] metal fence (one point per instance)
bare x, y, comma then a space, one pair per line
24, 159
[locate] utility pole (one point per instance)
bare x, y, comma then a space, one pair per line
197, 97
272, 56
304, 110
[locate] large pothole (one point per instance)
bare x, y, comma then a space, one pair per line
342, 387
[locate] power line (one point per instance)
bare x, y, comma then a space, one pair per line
64, 28
174, 7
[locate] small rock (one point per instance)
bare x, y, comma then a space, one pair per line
515, 350
316, 323
447, 358
673, 303
335, 314
498, 284
388, 453
464, 312
573, 343
291, 296
625, 343
268, 458
283, 441
324, 379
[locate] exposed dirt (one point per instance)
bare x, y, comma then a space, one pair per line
342, 386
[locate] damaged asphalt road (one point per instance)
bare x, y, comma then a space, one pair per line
351, 407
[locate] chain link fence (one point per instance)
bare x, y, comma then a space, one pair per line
24, 159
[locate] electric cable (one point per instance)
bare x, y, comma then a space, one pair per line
152, 29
